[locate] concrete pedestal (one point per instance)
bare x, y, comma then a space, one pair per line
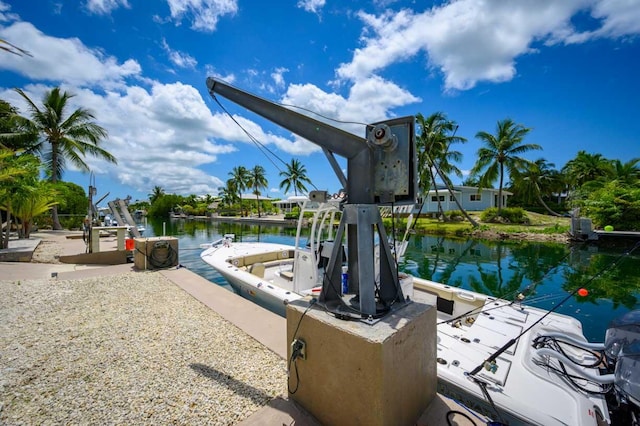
358, 374
95, 236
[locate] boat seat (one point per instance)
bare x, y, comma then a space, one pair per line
257, 269
287, 275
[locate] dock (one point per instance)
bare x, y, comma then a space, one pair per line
265, 327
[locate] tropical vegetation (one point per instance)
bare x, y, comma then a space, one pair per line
295, 176
58, 136
500, 154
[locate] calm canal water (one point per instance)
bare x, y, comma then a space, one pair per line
546, 272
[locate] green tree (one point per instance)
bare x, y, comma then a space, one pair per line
501, 151
534, 180
17, 173
11, 135
435, 156
295, 176
32, 201
165, 204
614, 204
586, 168
62, 137
239, 181
627, 173
257, 180
156, 193
228, 193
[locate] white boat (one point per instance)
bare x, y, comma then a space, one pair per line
539, 376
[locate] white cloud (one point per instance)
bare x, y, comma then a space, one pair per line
479, 40
313, 6
278, 77
369, 100
204, 14
56, 59
160, 136
619, 18
180, 59
5, 15
105, 7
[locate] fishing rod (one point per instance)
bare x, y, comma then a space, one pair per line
511, 342
519, 299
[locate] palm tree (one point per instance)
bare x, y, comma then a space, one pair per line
586, 168
62, 137
239, 180
31, 201
627, 173
296, 176
434, 155
535, 180
17, 172
257, 180
501, 151
156, 193
228, 193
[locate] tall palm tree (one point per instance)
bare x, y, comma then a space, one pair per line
296, 176
586, 168
435, 156
62, 137
156, 193
535, 180
240, 178
501, 151
257, 181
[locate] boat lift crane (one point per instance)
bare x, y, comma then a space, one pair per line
381, 170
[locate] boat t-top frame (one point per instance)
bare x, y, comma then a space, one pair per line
381, 170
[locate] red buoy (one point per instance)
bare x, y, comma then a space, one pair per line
583, 292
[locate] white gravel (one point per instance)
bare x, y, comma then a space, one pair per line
126, 349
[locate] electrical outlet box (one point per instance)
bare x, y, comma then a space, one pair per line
299, 346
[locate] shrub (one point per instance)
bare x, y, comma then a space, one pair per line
455, 215
507, 215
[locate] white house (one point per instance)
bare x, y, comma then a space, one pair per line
470, 197
286, 206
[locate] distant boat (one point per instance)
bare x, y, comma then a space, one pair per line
544, 372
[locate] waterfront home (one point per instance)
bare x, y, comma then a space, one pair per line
470, 197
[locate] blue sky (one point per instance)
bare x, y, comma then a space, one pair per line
568, 69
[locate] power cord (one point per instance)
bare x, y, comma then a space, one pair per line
296, 350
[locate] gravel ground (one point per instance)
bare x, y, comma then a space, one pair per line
126, 349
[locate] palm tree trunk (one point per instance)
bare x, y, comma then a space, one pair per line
500, 188
54, 179
5, 243
455, 199
435, 187
547, 208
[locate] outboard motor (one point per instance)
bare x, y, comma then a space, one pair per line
622, 348
621, 332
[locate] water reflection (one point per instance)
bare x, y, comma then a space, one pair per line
545, 273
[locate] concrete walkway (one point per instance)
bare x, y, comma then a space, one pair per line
266, 327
